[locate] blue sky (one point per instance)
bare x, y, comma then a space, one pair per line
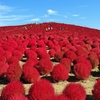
79, 12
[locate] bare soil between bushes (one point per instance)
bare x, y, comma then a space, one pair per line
59, 86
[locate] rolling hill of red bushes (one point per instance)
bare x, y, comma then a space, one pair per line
48, 29
76, 50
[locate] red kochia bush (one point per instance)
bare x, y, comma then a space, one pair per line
30, 54
41, 90
56, 47
82, 51
64, 42
42, 53
66, 62
79, 59
29, 63
2, 50
88, 47
40, 43
95, 44
32, 42
54, 97
96, 50
14, 72
44, 66
18, 97
21, 48
11, 89
2, 58
30, 74
34, 48
3, 69
44, 56
75, 91
81, 70
60, 97
58, 55
59, 73
70, 54
83, 60
7, 54
13, 60
52, 52
7, 46
93, 58
96, 90
50, 44
17, 54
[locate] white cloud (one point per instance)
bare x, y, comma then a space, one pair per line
35, 20
24, 9
52, 12
9, 15
83, 6
83, 17
2, 23
45, 15
65, 16
5, 8
13, 17
75, 15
